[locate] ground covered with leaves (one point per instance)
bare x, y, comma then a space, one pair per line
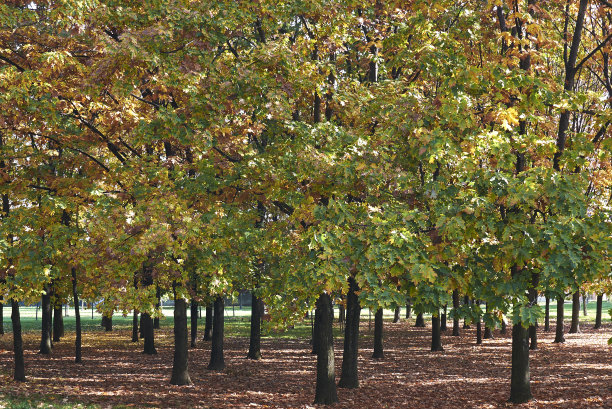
576, 374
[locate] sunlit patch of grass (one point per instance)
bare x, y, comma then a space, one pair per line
40, 402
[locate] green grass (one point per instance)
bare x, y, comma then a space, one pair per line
41, 402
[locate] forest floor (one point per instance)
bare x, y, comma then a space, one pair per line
576, 374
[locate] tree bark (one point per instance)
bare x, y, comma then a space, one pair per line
208, 324
488, 334
45, 336
408, 308
455, 313
58, 324
575, 327
180, 365
559, 330
420, 321
436, 338
77, 317
504, 326
326, 374
533, 337
107, 323
378, 335
341, 314
349, 377
194, 322
443, 320
547, 315
135, 326
1, 316
479, 332
255, 338
314, 340
466, 301
216, 351
520, 388
141, 327
396, 314
157, 308
598, 313
149, 334
19, 372
585, 301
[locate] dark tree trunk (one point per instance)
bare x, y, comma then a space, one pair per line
585, 301
135, 326
314, 340
180, 365
466, 301
326, 374
157, 308
1, 316
77, 317
420, 321
533, 299
58, 324
479, 332
341, 314
598, 313
408, 308
443, 320
19, 373
559, 330
208, 322
520, 388
378, 335
547, 315
45, 336
488, 334
349, 377
575, 327
194, 323
396, 314
107, 323
436, 338
504, 326
255, 338
533, 337
149, 334
216, 350
141, 328
455, 313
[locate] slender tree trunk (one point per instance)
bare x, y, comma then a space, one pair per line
547, 315
533, 337
533, 299
455, 313
504, 326
141, 327
488, 334
598, 313
208, 323
408, 308
396, 314
378, 335
58, 324
575, 327
1, 316
341, 314
520, 388
216, 351
77, 317
135, 326
157, 308
194, 322
559, 330
479, 332
349, 377
443, 319
255, 338
149, 334
180, 365
436, 338
420, 321
466, 301
45, 338
19, 373
326, 374
585, 301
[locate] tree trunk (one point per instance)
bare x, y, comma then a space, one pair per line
466, 301
135, 326
396, 314
19, 373
408, 308
107, 323
443, 320
436, 338
208, 324
547, 315
378, 335
575, 327
533, 337
341, 314
520, 388
420, 321
479, 332
326, 374
504, 326
349, 377
585, 301
216, 351
58, 324
598, 313
157, 308
180, 365
149, 334
455, 313
255, 338
194, 322
533, 299
141, 328
77, 317
559, 330
488, 334
314, 340
1, 316
45, 336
